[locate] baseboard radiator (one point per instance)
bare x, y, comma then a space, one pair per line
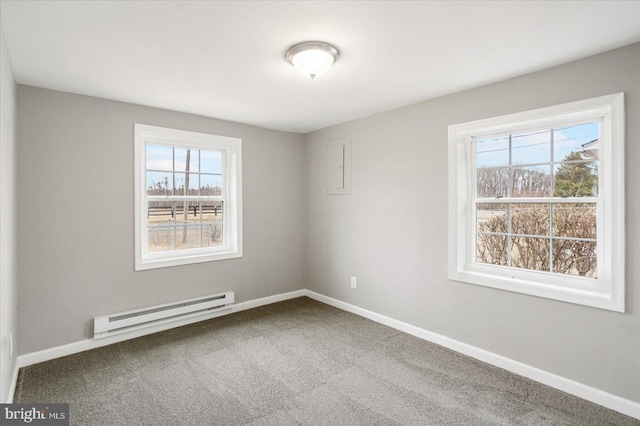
122, 322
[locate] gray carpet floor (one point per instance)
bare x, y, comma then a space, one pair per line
298, 362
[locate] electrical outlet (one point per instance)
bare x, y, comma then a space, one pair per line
354, 282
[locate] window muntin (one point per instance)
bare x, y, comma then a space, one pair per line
506, 169
528, 235
188, 197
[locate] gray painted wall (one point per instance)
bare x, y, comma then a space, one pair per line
75, 177
8, 220
392, 231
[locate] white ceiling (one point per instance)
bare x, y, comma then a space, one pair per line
226, 59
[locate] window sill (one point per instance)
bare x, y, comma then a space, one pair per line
597, 299
153, 262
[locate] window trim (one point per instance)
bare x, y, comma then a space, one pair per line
609, 291
232, 194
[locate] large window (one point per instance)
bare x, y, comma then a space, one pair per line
188, 197
537, 202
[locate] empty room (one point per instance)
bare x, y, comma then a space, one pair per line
319, 212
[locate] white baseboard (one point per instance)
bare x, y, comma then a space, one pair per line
572, 387
85, 345
622, 405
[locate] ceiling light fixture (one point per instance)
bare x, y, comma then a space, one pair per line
312, 58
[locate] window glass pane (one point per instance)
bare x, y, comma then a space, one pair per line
211, 234
192, 183
532, 181
530, 253
187, 212
575, 258
161, 226
492, 152
212, 211
178, 183
492, 183
159, 157
575, 220
182, 180
159, 183
184, 154
161, 213
530, 219
491, 249
575, 179
161, 238
582, 140
211, 162
188, 235
531, 148
188, 220
212, 218
210, 184
492, 218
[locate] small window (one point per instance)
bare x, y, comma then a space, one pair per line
537, 202
188, 197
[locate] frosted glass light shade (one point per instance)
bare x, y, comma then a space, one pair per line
312, 58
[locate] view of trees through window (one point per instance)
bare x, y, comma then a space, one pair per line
185, 204
536, 200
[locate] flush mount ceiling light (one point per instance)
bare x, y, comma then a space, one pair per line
312, 58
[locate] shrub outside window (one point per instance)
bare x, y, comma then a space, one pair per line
188, 197
537, 202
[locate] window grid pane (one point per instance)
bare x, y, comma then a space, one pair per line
184, 172
574, 257
527, 236
212, 223
547, 235
177, 225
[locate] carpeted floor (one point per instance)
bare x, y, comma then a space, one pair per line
297, 362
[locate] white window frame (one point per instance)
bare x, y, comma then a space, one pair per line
607, 291
231, 197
